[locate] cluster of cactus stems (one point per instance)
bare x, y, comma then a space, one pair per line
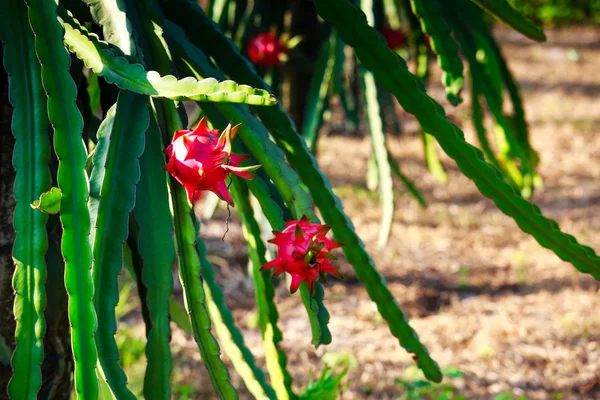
107, 79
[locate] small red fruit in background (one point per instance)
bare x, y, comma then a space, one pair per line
394, 38
201, 160
303, 252
427, 41
267, 49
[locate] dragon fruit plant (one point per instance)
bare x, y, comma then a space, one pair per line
96, 91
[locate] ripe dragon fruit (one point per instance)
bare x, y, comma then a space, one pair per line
394, 38
201, 160
303, 252
267, 49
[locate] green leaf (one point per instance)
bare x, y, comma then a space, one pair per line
72, 180
392, 74
30, 160
49, 202
117, 69
442, 43
501, 10
119, 162
284, 131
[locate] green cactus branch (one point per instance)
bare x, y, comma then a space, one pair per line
108, 62
30, 158
392, 73
119, 160
155, 245
443, 44
72, 180
503, 11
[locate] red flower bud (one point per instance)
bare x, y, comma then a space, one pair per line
394, 38
201, 160
267, 50
303, 252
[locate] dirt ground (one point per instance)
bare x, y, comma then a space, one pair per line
484, 297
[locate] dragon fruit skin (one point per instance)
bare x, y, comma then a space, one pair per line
267, 49
201, 159
303, 252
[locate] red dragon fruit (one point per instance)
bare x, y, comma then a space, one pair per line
201, 160
394, 38
267, 49
303, 252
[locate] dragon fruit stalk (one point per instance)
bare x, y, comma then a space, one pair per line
303, 251
201, 160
